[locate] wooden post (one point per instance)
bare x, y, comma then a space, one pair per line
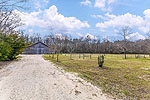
57, 57
79, 55
70, 55
135, 55
53, 56
90, 56
83, 56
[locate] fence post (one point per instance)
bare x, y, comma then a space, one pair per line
57, 57
70, 55
90, 56
83, 56
53, 56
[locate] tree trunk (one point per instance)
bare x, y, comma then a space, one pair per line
57, 57
53, 56
83, 56
125, 54
70, 55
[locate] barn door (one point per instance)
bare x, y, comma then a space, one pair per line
42, 50
38, 50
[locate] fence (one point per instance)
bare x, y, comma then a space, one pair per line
95, 56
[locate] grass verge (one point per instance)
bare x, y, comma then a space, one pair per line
128, 79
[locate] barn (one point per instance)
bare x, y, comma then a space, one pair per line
37, 48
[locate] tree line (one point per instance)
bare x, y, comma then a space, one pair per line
13, 42
66, 44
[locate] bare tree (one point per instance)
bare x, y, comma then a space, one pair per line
9, 19
12, 4
71, 48
125, 32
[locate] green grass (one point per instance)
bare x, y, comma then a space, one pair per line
128, 79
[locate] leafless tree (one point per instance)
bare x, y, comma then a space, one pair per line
71, 47
9, 19
12, 4
81, 45
125, 32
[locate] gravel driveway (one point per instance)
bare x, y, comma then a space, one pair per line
33, 78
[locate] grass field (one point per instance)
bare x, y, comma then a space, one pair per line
128, 79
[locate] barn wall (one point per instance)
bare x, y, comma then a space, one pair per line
38, 48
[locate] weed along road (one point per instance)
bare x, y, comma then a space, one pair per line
33, 78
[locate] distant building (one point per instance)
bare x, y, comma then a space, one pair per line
37, 48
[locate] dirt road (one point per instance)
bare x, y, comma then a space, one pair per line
33, 78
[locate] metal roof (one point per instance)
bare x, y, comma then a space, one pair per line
38, 43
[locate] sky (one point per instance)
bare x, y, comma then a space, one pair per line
79, 18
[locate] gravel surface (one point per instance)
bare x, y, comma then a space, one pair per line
33, 78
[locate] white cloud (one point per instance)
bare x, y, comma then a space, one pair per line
50, 19
133, 21
111, 1
109, 9
122, 20
40, 4
106, 17
89, 36
79, 34
60, 36
30, 30
86, 2
116, 31
99, 3
105, 5
37, 5
98, 16
136, 36
147, 14
46, 1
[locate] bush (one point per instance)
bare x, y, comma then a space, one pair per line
11, 45
5, 50
101, 60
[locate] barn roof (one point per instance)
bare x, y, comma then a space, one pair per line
38, 43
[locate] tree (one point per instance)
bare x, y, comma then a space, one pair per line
71, 48
125, 32
9, 20
11, 41
12, 4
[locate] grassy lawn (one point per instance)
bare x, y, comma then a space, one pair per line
127, 79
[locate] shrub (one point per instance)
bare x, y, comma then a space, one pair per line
11, 45
5, 50
101, 60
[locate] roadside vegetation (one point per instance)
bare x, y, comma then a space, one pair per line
128, 79
12, 41
11, 45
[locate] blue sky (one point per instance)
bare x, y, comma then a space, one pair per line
99, 18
